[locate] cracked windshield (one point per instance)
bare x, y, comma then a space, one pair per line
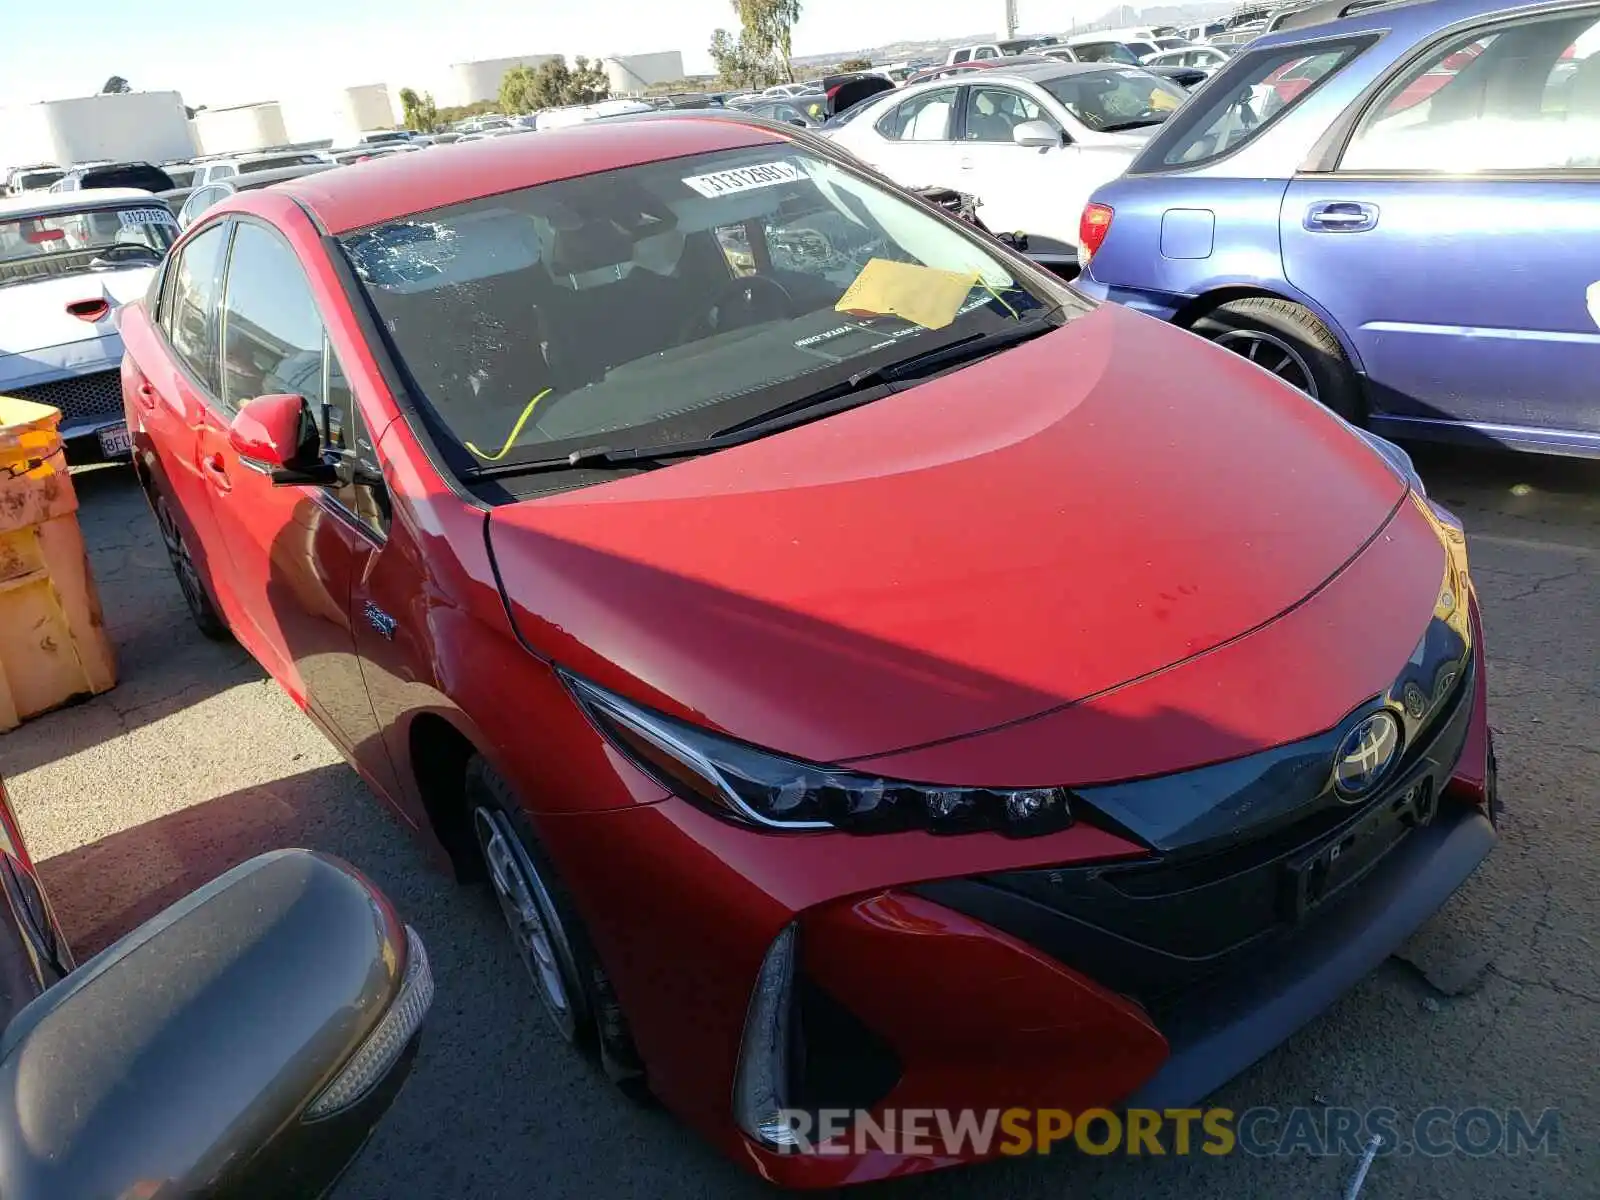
657, 301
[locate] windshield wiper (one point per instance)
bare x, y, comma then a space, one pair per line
1122, 126
643, 457
856, 390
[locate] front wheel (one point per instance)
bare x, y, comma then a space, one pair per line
547, 933
1288, 340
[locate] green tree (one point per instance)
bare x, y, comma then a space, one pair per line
421, 113
855, 64
767, 31
450, 115
737, 67
520, 89
553, 84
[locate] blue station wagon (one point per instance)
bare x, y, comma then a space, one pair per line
1398, 212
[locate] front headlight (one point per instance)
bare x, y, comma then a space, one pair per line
1398, 459
757, 787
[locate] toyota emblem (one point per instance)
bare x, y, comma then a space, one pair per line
1365, 755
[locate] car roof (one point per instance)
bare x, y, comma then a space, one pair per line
49, 202
397, 185
1407, 18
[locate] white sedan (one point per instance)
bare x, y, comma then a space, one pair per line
68, 262
1031, 142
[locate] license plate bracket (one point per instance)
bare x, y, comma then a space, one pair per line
1318, 874
115, 441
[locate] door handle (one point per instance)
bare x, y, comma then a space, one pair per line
146, 394
215, 467
1341, 216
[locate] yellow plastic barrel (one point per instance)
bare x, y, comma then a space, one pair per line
53, 644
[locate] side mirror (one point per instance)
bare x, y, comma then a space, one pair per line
1039, 134
243, 1043
280, 433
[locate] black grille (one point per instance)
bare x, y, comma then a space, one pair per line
82, 396
1158, 928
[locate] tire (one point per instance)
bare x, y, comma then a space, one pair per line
547, 932
1287, 339
196, 596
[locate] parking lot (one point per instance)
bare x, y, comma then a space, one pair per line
196, 761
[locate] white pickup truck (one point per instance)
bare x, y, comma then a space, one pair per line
1005, 49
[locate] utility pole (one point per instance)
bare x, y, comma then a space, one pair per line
1009, 29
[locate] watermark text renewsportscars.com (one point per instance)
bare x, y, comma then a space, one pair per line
1146, 1132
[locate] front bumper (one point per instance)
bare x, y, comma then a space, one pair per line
82, 379
906, 1001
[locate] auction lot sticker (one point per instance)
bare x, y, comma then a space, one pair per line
743, 179
130, 217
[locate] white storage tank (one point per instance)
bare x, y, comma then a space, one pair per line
150, 126
636, 72
368, 106
240, 128
474, 82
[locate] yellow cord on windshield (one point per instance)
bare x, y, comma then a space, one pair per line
988, 287
516, 431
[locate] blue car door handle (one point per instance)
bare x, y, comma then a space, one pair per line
1341, 216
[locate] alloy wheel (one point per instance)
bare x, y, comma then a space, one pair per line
194, 594
536, 929
1272, 354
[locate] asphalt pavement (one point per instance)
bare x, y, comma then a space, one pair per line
197, 761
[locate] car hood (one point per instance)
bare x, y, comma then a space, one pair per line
34, 316
1082, 510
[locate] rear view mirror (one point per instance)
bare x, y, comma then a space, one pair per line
1035, 133
242, 1044
279, 432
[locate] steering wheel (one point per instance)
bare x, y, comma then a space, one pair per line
748, 300
121, 252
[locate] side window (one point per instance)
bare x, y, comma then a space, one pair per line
961, 56
223, 172
1252, 94
924, 118
271, 332
199, 200
1516, 97
992, 113
191, 317
985, 52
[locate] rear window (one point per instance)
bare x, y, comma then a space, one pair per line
1247, 98
134, 175
1105, 52
277, 161
1115, 99
29, 181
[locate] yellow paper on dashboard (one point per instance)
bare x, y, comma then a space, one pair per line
1163, 101
924, 295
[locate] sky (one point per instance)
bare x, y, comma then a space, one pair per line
233, 52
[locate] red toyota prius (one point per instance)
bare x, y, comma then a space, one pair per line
871, 676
